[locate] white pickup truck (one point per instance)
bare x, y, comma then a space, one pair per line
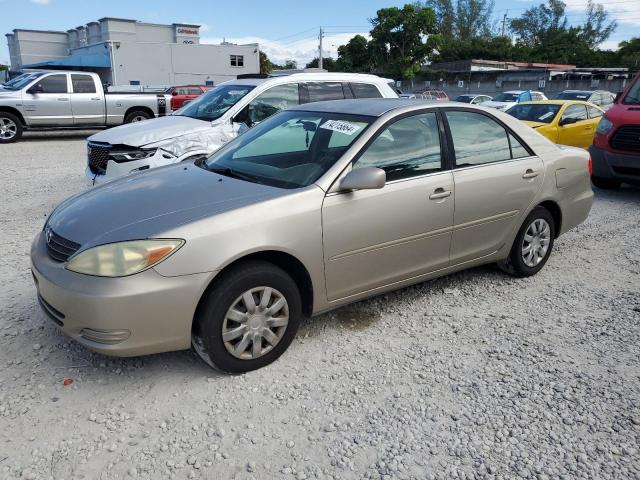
66, 99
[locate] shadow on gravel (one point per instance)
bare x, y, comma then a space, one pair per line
626, 193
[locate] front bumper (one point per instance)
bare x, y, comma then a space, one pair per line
117, 169
615, 166
129, 316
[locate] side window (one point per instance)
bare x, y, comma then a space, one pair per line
83, 84
577, 112
181, 91
596, 99
525, 97
346, 89
407, 148
594, 112
194, 91
477, 139
319, 91
53, 84
272, 101
365, 90
517, 149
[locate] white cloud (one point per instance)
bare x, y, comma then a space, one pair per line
302, 51
41, 2
623, 11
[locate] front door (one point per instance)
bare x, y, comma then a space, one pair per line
374, 238
577, 134
496, 178
87, 105
50, 105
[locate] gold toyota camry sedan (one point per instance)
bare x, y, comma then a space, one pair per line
318, 206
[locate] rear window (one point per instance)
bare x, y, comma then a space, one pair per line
365, 90
83, 84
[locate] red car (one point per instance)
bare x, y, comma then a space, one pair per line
615, 153
185, 93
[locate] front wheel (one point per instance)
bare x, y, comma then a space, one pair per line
137, 116
533, 244
10, 128
248, 319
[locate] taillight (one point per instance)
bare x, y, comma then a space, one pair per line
590, 166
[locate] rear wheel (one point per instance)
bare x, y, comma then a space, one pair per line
248, 319
137, 116
10, 128
533, 244
605, 183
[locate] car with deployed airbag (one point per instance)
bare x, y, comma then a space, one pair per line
316, 207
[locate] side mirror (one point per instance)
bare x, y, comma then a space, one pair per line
37, 88
367, 178
567, 121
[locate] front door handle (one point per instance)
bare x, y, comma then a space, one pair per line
63, 99
95, 98
529, 174
439, 193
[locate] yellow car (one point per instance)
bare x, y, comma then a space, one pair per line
566, 122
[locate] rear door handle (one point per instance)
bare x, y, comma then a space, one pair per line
439, 193
529, 174
95, 98
63, 99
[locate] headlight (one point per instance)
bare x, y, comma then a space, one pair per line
123, 258
129, 155
604, 126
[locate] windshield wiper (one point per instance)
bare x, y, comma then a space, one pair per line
230, 172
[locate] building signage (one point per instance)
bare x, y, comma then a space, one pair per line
187, 31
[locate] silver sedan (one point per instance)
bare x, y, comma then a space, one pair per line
318, 206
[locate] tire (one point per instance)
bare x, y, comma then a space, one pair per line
213, 317
137, 116
10, 128
605, 183
520, 264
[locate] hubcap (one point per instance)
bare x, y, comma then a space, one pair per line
535, 243
255, 323
8, 128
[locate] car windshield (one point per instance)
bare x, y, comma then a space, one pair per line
535, 112
572, 96
291, 149
22, 80
633, 96
215, 102
506, 97
464, 98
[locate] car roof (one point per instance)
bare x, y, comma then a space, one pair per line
370, 107
344, 77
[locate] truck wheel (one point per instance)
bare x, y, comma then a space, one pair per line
10, 128
137, 116
605, 183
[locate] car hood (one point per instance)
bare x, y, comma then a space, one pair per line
494, 104
146, 204
143, 133
4, 92
621, 113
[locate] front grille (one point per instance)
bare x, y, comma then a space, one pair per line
59, 248
627, 137
98, 156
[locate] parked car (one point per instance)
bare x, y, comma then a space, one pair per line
616, 146
602, 98
70, 99
183, 94
207, 123
506, 100
565, 122
431, 94
473, 98
318, 206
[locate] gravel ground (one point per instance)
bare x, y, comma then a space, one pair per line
475, 375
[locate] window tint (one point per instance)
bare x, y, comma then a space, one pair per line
319, 91
194, 91
407, 148
53, 84
273, 100
517, 149
346, 89
365, 90
477, 139
83, 84
579, 112
181, 91
594, 112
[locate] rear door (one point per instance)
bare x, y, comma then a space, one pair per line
87, 105
51, 105
496, 179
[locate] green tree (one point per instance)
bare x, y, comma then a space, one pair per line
473, 19
445, 16
629, 53
597, 28
266, 66
328, 64
402, 39
355, 56
537, 23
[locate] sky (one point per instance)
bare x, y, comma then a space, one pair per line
285, 29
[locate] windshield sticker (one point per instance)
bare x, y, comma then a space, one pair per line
341, 126
546, 115
237, 92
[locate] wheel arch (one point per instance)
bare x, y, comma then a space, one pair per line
16, 112
130, 110
556, 213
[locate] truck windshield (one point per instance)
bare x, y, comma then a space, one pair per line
19, 82
291, 149
215, 102
633, 95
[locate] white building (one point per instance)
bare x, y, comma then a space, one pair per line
128, 52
